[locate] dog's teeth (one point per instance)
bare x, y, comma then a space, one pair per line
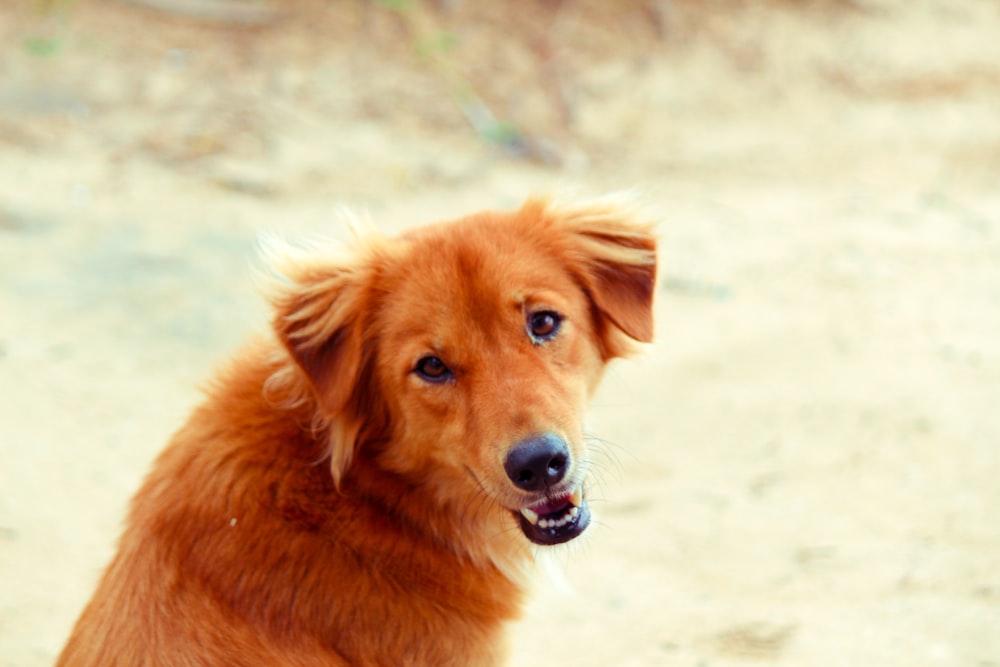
530, 515
573, 511
576, 498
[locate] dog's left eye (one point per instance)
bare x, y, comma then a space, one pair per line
544, 325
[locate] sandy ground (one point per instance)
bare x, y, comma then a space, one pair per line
802, 470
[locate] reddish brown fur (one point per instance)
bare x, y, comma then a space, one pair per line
327, 506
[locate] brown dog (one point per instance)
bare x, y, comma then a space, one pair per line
441, 378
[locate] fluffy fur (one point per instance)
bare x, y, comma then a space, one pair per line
331, 504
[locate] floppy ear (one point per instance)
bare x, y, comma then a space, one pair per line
319, 313
614, 256
318, 322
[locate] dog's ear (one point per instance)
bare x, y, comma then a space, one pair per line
320, 307
318, 320
614, 256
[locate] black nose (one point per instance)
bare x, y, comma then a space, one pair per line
538, 462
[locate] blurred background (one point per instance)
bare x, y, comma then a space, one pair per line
802, 470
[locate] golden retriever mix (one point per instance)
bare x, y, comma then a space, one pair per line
365, 487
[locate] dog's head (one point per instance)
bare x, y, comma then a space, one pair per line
462, 354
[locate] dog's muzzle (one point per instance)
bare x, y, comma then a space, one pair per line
539, 465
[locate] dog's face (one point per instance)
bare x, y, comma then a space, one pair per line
489, 354
465, 352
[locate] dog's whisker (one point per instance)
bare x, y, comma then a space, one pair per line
605, 460
609, 448
485, 501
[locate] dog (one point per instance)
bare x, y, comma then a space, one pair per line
369, 483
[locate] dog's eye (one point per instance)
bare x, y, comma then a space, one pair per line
432, 369
544, 325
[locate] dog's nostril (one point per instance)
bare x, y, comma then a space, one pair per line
538, 462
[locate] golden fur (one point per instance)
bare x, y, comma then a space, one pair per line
336, 501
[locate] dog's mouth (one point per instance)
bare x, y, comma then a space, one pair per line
555, 520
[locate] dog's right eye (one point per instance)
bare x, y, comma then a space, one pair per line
432, 369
